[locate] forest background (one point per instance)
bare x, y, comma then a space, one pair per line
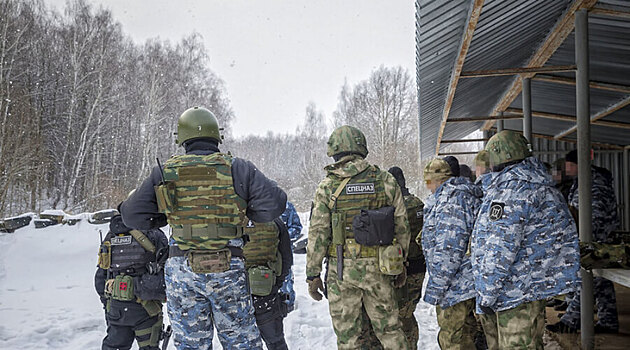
85, 113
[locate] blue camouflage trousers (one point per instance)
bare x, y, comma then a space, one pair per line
197, 302
605, 300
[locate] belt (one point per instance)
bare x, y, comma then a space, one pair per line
174, 251
211, 231
365, 251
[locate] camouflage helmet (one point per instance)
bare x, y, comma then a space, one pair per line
347, 139
437, 170
197, 122
481, 159
507, 146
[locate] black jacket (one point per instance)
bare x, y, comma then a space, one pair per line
284, 246
265, 200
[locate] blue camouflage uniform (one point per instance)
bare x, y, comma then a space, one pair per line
605, 220
524, 245
292, 220
449, 218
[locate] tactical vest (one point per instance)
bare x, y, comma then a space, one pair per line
262, 248
128, 255
199, 201
365, 190
414, 215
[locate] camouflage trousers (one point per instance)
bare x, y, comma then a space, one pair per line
198, 302
363, 287
605, 300
457, 326
518, 328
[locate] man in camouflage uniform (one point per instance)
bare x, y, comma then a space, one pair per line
449, 217
205, 195
357, 278
524, 246
605, 220
268, 260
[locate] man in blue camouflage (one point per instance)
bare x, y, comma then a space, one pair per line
291, 219
449, 218
524, 246
605, 220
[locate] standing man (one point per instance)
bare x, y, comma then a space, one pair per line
449, 218
524, 246
293, 224
130, 282
205, 195
605, 220
359, 222
268, 259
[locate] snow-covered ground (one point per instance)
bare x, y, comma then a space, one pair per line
47, 297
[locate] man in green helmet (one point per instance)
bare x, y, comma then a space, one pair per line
359, 223
206, 197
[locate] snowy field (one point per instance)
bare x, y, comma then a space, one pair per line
47, 297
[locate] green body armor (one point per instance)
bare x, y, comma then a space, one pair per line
262, 258
363, 191
414, 215
199, 201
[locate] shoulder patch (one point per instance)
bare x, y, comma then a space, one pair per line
361, 188
496, 211
121, 240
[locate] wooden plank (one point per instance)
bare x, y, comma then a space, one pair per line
616, 275
609, 11
571, 118
593, 84
556, 37
599, 115
599, 145
464, 140
456, 153
484, 118
513, 71
459, 64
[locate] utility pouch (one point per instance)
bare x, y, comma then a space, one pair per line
338, 220
122, 288
374, 227
150, 287
204, 261
165, 195
261, 280
390, 259
105, 255
353, 248
153, 307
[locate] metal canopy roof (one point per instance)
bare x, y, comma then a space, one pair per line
471, 35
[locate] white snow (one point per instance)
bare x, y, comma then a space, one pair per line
48, 301
54, 212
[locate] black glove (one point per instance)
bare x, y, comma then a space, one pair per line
487, 310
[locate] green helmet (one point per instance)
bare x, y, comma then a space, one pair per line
507, 146
437, 170
481, 159
197, 122
347, 139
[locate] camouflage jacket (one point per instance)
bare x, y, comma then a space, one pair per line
605, 218
292, 220
483, 180
525, 244
449, 218
320, 234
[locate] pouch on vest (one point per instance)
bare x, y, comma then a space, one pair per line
165, 195
261, 280
105, 255
122, 288
204, 261
150, 287
390, 259
338, 220
374, 227
152, 307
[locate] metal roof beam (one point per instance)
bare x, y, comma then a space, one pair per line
571, 81
599, 115
475, 13
464, 140
609, 11
484, 118
513, 71
556, 37
552, 137
573, 119
456, 153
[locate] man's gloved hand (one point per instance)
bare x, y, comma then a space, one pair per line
401, 279
487, 310
315, 285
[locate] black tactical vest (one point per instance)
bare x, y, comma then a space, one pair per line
128, 255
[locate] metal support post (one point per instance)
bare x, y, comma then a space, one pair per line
500, 124
527, 110
486, 135
584, 169
626, 188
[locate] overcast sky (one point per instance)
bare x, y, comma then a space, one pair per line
277, 55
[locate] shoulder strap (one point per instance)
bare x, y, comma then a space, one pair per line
143, 240
333, 200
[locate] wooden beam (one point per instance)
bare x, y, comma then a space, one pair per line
475, 13
556, 37
610, 11
552, 137
484, 118
513, 71
570, 118
599, 115
456, 153
593, 84
464, 140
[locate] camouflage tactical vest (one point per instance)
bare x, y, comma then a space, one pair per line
414, 214
199, 201
128, 255
365, 190
262, 248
